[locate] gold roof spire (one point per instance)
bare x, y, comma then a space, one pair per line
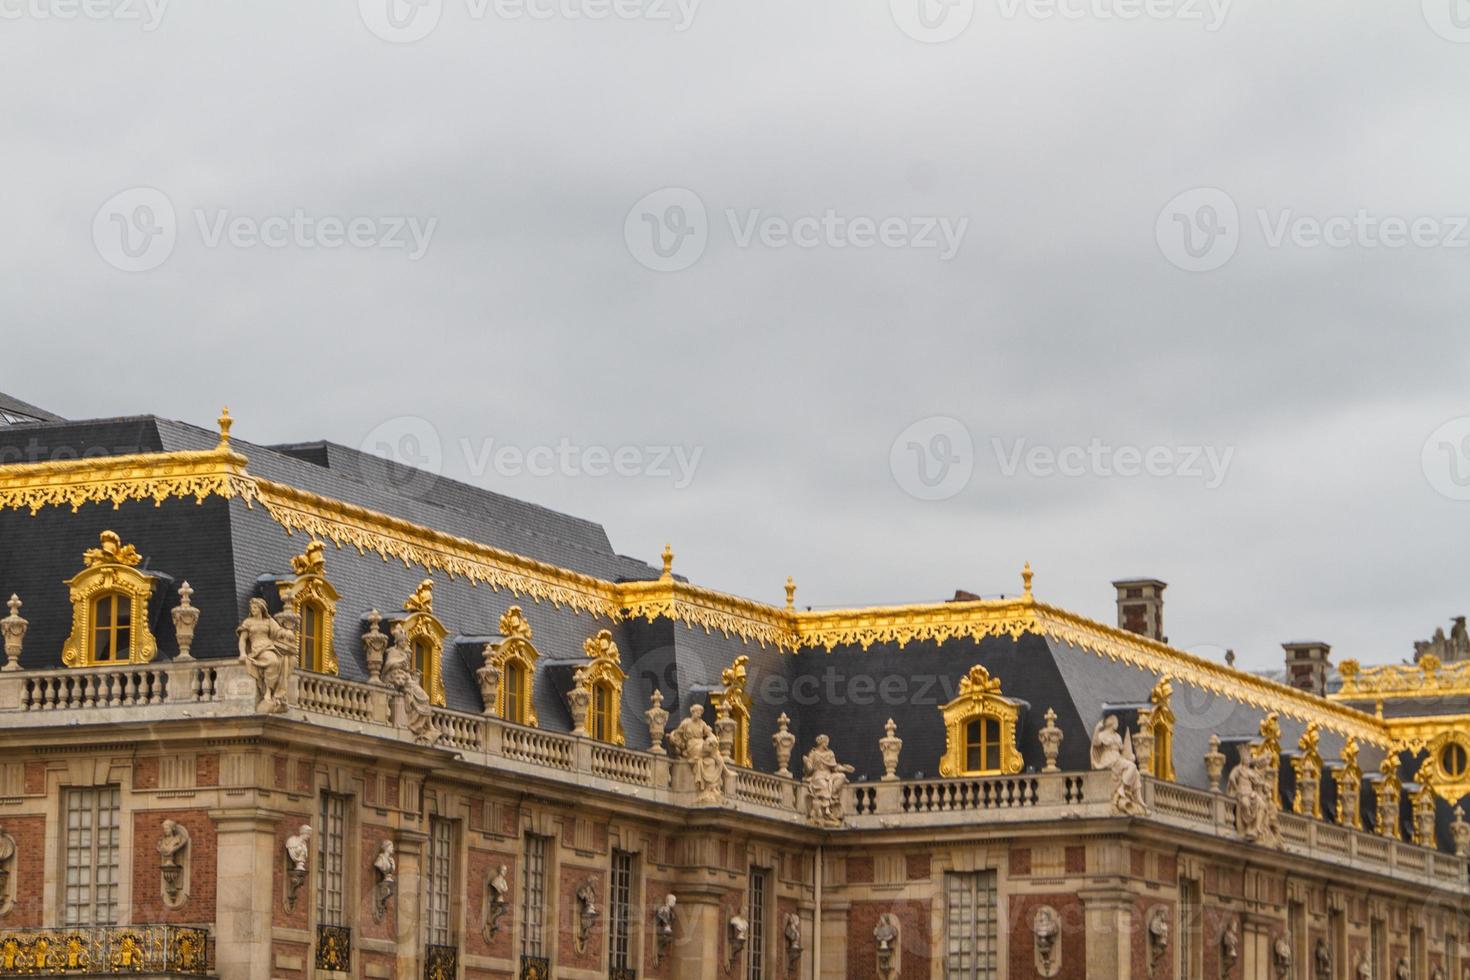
225, 423
668, 557
790, 594
1026, 576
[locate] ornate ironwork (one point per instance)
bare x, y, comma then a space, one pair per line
104, 950
535, 968
441, 962
333, 948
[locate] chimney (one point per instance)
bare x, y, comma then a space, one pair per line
1141, 607
1306, 665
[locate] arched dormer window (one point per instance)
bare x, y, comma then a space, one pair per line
603, 680
109, 603
426, 638
315, 603
1161, 726
510, 665
735, 701
980, 729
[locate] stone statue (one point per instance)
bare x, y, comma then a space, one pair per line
13, 629
737, 931
268, 651
825, 780
1445, 649
374, 647
1363, 970
1321, 960
791, 931
1459, 646
298, 853
1158, 937
885, 939
665, 918
587, 912
1214, 764
186, 617
1230, 947
385, 866
1460, 831
399, 674
1281, 957
697, 743
1113, 753
7, 858
1256, 819
1401, 969
579, 700
1046, 927
173, 849
498, 894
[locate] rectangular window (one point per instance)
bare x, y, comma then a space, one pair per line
759, 898
441, 881
982, 745
331, 865
311, 636
620, 909
1337, 930
92, 845
1452, 955
1418, 953
1191, 930
602, 712
970, 939
1296, 928
533, 897
1378, 949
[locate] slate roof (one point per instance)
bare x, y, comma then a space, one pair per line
229, 552
13, 411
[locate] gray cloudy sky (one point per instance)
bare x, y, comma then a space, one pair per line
1248, 240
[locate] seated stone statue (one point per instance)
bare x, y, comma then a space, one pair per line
268, 651
398, 672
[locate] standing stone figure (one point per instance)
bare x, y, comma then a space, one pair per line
298, 853
399, 674
1113, 753
499, 894
385, 865
665, 918
1230, 947
825, 780
7, 856
268, 651
792, 933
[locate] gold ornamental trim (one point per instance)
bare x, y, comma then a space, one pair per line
116, 480
1429, 678
221, 472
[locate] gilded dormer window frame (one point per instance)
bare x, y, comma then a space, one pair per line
979, 699
311, 590
1161, 727
604, 671
735, 699
109, 569
422, 626
515, 648
1449, 786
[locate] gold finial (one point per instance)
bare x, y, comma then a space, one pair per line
668, 557
1026, 576
790, 594
225, 422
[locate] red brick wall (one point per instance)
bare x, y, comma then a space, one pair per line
1073, 939
206, 769
148, 881
917, 867
1021, 862
35, 778
860, 870
28, 869
145, 773
299, 950
482, 867
913, 918
372, 837
298, 919
1076, 858
569, 920
385, 961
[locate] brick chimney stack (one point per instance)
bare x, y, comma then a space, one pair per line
1306, 665
1141, 607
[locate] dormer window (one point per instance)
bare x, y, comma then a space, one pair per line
602, 681
733, 700
314, 601
980, 729
109, 602
509, 675
426, 638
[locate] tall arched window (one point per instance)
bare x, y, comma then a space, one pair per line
512, 661
112, 628
513, 688
426, 637
310, 636
599, 724
315, 602
603, 681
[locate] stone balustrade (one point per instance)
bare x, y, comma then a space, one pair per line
222, 689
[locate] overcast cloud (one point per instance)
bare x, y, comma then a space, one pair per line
499, 287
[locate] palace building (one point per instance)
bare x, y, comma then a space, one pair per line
292, 711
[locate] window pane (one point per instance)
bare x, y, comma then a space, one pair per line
533, 896
621, 902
